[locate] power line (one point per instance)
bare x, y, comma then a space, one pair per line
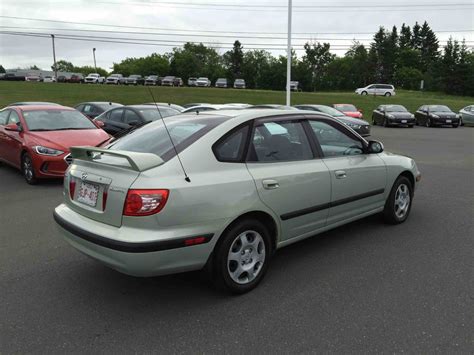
160, 44
202, 31
318, 39
342, 8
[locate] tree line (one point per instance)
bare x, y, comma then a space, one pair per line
402, 57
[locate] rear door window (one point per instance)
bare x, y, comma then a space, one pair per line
131, 117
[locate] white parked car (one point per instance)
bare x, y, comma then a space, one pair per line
32, 77
115, 79
377, 89
205, 82
49, 79
94, 78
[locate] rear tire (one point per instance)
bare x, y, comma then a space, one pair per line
398, 204
410, 126
387, 94
242, 256
455, 125
28, 169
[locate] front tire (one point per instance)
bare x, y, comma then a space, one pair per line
385, 123
364, 93
242, 256
428, 123
398, 204
28, 169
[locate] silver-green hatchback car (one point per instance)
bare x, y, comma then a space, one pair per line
234, 187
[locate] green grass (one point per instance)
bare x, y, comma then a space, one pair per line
72, 94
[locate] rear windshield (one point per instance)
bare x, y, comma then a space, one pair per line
152, 114
395, 108
153, 137
56, 120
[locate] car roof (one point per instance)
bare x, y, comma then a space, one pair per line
35, 103
43, 107
141, 107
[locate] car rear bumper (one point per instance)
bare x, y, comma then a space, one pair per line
161, 256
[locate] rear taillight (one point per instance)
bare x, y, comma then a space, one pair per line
144, 202
72, 188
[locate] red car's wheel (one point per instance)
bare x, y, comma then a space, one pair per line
28, 169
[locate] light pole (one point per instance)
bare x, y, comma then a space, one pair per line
95, 64
54, 59
288, 59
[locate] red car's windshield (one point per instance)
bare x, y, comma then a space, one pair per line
56, 120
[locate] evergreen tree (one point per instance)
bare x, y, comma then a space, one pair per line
429, 47
416, 39
405, 40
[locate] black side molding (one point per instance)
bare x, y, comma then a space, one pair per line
127, 247
325, 206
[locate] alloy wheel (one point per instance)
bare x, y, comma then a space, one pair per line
246, 257
402, 201
28, 171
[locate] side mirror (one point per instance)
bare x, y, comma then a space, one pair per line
15, 127
375, 147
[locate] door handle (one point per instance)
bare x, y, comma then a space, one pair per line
340, 174
270, 184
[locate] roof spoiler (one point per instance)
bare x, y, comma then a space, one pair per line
137, 161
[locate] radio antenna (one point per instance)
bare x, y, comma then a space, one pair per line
186, 177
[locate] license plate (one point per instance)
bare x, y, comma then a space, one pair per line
87, 194
448, 121
404, 121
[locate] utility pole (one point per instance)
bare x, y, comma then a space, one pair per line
54, 58
288, 60
95, 64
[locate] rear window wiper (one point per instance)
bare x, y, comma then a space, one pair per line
128, 131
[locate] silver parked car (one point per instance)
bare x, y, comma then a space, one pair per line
246, 182
466, 115
377, 89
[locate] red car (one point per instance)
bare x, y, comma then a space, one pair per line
349, 110
36, 139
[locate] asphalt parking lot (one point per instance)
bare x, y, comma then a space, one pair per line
364, 287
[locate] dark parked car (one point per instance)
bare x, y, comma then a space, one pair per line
13, 77
168, 81
76, 78
153, 80
436, 115
94, 109
62, 79
118, 119
178, 82
134, 80
392, 115
360, 126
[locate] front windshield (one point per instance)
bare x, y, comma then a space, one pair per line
439, 108
395, 108
56, 120
134, 76
202, 79
115, 76
239, 81
346, 108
